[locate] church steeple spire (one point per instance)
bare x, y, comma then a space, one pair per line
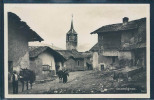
72, 23
72, 31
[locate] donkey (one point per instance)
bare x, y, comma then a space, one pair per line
27, 75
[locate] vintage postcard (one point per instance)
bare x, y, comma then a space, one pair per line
77, 50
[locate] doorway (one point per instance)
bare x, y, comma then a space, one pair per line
102, 66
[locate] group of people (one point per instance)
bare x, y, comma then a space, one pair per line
63, 74
24, 76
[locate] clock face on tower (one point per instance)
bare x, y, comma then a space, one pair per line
72, 38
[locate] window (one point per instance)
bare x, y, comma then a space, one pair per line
78, 62
45, 67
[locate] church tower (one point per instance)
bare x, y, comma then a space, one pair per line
71, 38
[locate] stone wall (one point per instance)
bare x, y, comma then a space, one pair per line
36, 66
47, 59
18, 49
72, 64
139, 57
71, 41
126, 38
108, 61
71, 45
95, 60
81, 64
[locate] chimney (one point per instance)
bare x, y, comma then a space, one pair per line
125, 20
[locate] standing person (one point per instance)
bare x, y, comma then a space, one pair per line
15, 82
60, 75
65, 76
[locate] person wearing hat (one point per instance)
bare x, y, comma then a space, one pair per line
15, 82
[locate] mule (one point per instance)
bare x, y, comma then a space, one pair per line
27, 76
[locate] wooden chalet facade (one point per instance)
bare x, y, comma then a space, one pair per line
121, 45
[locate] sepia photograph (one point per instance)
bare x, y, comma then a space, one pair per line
77, 50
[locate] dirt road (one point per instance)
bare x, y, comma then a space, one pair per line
90, 82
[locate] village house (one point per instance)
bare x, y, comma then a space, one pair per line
76, 61
19, 34
45, 61
120, 45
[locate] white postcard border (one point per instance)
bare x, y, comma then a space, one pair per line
7, 95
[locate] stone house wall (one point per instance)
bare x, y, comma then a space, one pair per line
72, 64
18, 53
36, 66
44, 59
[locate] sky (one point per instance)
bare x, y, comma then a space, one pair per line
53, 21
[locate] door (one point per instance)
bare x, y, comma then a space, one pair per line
102, 67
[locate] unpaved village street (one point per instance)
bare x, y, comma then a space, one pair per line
90, 82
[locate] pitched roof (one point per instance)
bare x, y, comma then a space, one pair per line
95, 47
71, 53
44, 44
86, 54
15, 22
77, 55
119, 27
71, 31
34, 51
65, 53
